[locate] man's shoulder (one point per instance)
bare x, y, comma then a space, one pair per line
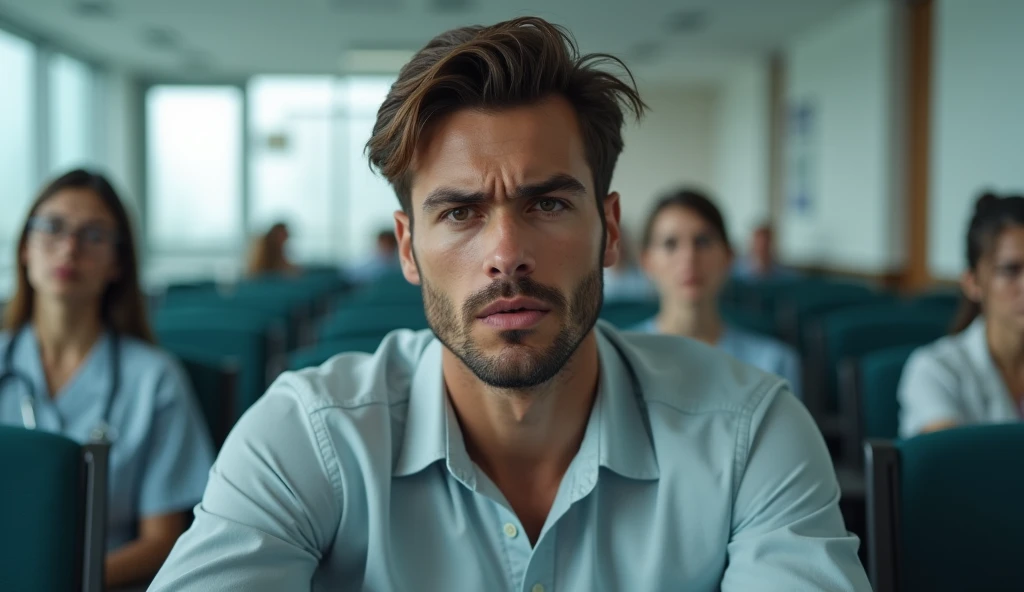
351, 380
687, 376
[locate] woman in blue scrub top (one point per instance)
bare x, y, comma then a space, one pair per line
687, 255
76, 318
976, 374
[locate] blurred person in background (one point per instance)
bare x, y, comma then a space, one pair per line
686, 253
976, 374
382, 262
760, 263
269, 254
517, 444
77, 358
626, 280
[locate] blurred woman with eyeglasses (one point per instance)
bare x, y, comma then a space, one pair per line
77, 355
976, 374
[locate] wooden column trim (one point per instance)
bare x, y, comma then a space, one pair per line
919, 101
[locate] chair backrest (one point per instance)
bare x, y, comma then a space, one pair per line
625, 314
945, 510
273, 326
54, 500
849, 334
794, 310
247, 347
389, 291
321, 352
366, 320
765, 296
867, 398
747, 320
215, 381
880, 379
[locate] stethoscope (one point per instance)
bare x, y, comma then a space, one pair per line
99, 434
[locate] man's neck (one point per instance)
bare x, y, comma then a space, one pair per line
525, 440
699, 321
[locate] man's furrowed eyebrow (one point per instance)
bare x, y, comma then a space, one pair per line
446, 196
556, 184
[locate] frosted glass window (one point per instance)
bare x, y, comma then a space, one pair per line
194, 167
72, 135
307, 166
17, 140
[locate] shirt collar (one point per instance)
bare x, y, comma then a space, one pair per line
425, 440
618, 427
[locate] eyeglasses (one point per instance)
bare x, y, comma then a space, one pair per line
53, 229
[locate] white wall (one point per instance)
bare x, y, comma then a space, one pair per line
671, 146
977, 118
711, 135
121, 117
845, 69
741, 147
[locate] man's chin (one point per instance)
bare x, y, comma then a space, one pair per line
497, 340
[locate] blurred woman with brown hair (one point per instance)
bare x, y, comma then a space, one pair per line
78, 359
268, 254
976, 375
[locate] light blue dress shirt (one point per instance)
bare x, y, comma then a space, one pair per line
695, 473
954, 380
160, 452
759, 351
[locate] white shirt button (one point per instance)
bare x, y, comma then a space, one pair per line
510, 530
538, 588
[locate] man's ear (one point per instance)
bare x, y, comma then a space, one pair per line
403, 234
612, 219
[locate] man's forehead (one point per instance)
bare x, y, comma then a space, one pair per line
471, 149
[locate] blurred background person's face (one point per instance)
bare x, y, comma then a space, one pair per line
998, 282
70, 253
686, 259
761, 248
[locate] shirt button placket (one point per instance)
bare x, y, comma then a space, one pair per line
517, 548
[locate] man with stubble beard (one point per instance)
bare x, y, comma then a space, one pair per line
519, 445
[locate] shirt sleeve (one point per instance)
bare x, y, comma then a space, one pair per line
180, 452
271, 507
787, 531
927, 393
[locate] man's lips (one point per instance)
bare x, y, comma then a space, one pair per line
515, 313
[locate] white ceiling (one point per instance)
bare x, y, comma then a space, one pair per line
234, 38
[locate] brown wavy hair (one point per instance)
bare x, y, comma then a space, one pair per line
513, 63
123, 306
266, 254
